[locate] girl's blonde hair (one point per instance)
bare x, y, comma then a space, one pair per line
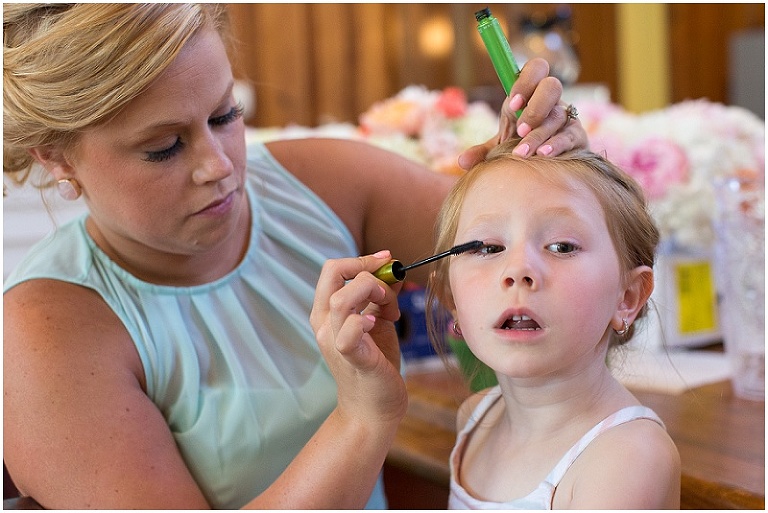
630, 225
67, 67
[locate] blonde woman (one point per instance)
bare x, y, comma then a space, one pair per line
158, 351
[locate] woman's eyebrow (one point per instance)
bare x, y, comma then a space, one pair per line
148, 131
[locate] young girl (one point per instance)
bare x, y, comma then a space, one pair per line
564, 272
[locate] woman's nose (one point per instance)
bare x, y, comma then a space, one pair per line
213, 163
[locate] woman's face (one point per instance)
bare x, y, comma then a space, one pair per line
165, 176
537, 299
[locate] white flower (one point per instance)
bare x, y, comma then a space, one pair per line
676, 154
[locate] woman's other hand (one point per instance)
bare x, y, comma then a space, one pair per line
544, 127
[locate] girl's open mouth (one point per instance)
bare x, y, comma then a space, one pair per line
520, 322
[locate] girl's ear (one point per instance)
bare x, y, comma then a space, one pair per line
54, 161
636, 293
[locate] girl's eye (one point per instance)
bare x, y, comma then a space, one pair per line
234, 114
489, 249
163, 155
562, 247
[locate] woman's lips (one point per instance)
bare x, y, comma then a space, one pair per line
218, 207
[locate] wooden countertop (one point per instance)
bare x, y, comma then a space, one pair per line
721, 438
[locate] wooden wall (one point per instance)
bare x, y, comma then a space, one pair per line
313, 63
699, 35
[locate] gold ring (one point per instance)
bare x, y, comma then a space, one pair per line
571, 112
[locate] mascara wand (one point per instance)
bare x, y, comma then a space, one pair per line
394, 271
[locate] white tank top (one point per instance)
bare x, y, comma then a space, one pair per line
541, 497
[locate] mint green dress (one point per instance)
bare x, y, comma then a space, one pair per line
233, 365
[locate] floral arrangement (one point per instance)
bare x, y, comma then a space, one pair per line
432, 127
675, 153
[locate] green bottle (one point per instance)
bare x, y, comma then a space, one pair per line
498, 48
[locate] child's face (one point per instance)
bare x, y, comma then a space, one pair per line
537, 299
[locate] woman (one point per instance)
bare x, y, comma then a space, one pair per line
157, 351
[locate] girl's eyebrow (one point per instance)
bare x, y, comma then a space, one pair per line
479, 225
550, 212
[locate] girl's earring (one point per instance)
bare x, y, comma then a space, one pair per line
457, 329
69, 189
624, 330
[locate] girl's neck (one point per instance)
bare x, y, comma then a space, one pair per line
544, 409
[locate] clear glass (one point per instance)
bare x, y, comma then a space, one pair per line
740, 277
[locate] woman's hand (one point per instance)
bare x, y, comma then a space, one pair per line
544, 127
353, 318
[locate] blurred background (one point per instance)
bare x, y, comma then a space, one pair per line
310, 64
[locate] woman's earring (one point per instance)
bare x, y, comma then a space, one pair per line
624, 330
69, 189
457, 329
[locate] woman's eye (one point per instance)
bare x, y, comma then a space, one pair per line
234, 114
562, 247
163, 155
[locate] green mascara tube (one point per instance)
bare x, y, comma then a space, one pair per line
498, 48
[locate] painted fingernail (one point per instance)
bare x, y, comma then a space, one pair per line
516, 103
522, 150
544, 150
523, 129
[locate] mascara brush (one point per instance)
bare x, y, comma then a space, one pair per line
394, 271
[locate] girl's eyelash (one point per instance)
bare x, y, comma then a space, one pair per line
234, 114
488, 249
563, 248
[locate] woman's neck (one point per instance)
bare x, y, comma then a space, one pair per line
170, 269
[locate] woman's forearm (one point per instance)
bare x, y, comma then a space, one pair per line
336, 469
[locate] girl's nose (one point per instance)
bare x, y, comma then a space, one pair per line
520, 269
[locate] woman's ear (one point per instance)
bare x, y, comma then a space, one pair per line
637, 291
54, 161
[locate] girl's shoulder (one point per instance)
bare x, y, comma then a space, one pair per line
634, 465
471, 407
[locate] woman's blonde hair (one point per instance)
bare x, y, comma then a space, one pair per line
630, 225
67, 67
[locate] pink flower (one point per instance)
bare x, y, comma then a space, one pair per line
452, 102
593, 113
393, 115
656, 164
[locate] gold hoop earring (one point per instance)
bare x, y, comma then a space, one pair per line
69, 189
624, 330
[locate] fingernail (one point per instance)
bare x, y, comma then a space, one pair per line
544, 150
522, 150
370, 318
463, 162
523, 129
384, 253
516, 103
